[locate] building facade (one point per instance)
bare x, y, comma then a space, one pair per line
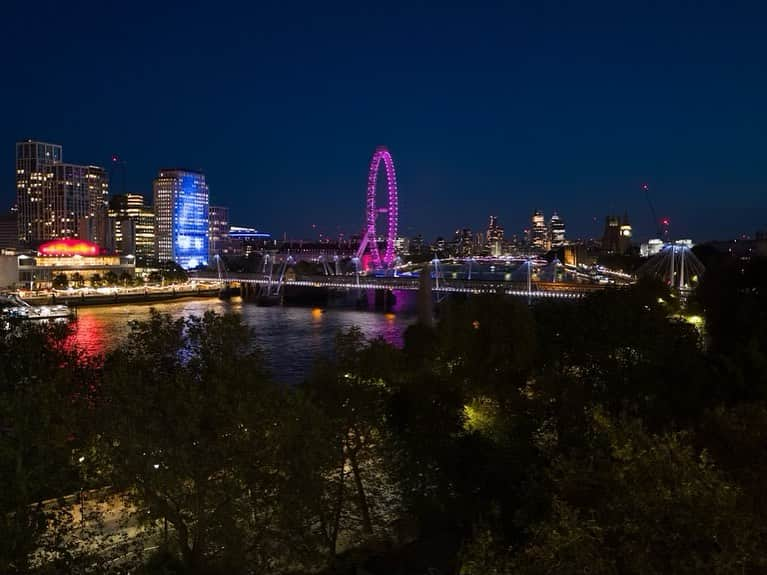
246, 241
9, 231
133, 227
494, 237
556, 231
57, 200
616, 238
79, 261
218, 231
181, 217
463, 242
538, 232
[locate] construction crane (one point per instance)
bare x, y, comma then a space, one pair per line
661, 225
655, 220
120, 164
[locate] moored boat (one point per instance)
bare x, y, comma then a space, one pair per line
12, 307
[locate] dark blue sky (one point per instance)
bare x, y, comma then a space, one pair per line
487, 107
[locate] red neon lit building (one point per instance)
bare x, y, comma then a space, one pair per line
81, 262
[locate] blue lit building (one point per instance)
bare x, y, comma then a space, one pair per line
181, 217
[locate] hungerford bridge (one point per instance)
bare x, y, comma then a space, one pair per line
527, 276
272, 285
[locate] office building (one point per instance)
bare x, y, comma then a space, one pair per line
57, 200
494, 237
247, 241
556, 231
416, 245
463, 242
218, 231
181, 217
401, 245
538, 231
133, 227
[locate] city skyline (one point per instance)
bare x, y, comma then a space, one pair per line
569, 110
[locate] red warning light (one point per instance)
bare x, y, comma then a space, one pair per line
666, 221
645, 187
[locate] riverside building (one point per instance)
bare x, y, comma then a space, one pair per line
181, 217
57, 200
79, 260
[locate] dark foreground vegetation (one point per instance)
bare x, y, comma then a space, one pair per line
609, 436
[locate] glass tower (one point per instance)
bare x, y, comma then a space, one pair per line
181, 217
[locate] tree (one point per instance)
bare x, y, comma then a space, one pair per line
125, 278
632, 503
192, 434
96, 281
43, 385
173, 273
60, 281
78, 280
110, 278
360, 494
624, 350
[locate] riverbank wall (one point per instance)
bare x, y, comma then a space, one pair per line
127, 297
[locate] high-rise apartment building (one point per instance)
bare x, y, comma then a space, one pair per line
556, 231
218, 231
181, 217
538, 231
133, 227
58, 200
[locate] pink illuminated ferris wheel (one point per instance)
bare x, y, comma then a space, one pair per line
372, 210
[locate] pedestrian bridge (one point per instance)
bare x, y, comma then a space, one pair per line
534, 289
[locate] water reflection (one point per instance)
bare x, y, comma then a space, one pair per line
291, 337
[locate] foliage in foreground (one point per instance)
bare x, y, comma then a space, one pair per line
606, 436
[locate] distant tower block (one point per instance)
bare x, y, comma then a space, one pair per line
371, 237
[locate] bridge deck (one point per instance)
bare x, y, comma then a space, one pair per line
537, 289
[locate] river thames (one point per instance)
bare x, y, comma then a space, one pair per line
292, 338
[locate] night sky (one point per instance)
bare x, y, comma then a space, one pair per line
487, 107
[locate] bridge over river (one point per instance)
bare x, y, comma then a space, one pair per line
532, 289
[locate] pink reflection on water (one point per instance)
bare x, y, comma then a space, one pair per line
89, 335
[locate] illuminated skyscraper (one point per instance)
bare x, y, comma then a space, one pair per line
463, 242
556, 231
181, 217
494, 237
133, 226
58, 200
538, 232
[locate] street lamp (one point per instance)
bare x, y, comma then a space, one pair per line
80, 461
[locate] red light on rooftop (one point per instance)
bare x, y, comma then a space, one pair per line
69, 247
